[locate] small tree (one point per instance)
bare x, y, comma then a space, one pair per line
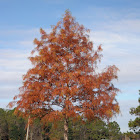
114, 130
63, 82
135, 125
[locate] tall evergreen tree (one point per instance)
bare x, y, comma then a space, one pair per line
135, 124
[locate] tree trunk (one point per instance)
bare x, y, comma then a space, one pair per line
27, 134
41, 137
31, 133
65, 129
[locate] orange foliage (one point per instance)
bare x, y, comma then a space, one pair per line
64, 75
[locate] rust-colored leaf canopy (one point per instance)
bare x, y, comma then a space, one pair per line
63, 81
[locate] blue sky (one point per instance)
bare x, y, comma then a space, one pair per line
114, 23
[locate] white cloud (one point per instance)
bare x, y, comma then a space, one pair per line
26, 43
22, 34
13, 60
8, 92
13, 64
110, 39
125, 25
106, 37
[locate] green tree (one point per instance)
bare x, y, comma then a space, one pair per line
114, 130
16, 126
135, 124
96, 130
4, 132
13, 127
77, 129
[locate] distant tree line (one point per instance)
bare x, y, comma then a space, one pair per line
11, 127
14, 128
